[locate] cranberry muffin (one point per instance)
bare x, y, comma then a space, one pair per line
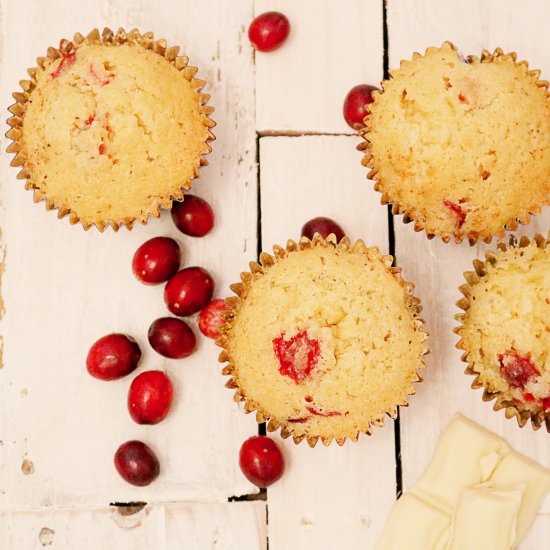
505, 330
323, 339
110, 128
461, 146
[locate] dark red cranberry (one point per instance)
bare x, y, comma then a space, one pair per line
156, 260
188, 291
355, 103
194, 216
210, 318
518, 370
172, 338
113, 356
323, 226
261, 461
150, 397
268, 31
137, 463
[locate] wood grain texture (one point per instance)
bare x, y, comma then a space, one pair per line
335, 497
193, 526
437, 268
63, 287
332, 46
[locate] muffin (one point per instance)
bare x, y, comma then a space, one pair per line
505, 330
461, 146
323, 339
110, 128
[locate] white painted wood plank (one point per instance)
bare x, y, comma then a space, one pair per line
437, 268
335, 497
193, 526
332, 46
64, 287
222, 526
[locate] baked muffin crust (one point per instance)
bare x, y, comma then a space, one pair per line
461, 147
505, 329
113, 131
325, 341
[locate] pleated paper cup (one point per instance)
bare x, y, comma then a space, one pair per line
65, 56
380, 166
295, 427
514, 408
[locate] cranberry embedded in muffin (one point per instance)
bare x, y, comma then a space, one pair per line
323, 340
505, 329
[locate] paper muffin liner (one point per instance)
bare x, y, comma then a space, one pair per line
107, 37
397, 208
512, 409
241, 290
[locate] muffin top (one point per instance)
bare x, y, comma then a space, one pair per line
325, 341
506, 329
461, 146
112, 131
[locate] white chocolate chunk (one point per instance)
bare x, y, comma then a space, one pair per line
477, 494
485, 518
466, 456
415, 525
516, 469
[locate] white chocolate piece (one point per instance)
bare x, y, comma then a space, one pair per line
415, 525
516, 469
466, 456
486, 518
476, 494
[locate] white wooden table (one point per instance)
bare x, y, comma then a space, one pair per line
62, 287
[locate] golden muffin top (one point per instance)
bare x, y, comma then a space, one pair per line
326, 341
462, 148
112, 132
506, 328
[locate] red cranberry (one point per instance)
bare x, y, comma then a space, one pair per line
261, 461
113, 356
268, 31
355, 103
518, 370
210, 318
188, 291
194, 216
150, 397
297, 356
156, 260
323, 226
137, 463
172, 338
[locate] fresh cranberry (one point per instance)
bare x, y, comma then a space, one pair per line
355, 109
297, 356
113, 356
150, 397
546, 403
156, 260
172, 338
518, 370
194, 216
188, 291
211, 319
323, 226
268, 31
137, 463
261, 461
